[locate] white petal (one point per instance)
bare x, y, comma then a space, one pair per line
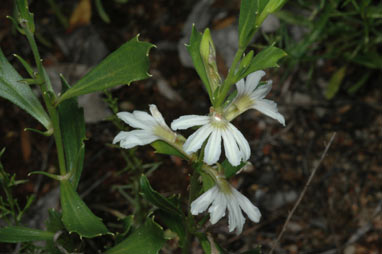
145, 137
217, 209
261, 91
232, 152
146, 119
157, 115
120, 136
185, 122
131, 120
235, 216
269, 108
213, 148
195, 141
240, 86
246, 205
200, 204
129, 141
253, 80
241, 141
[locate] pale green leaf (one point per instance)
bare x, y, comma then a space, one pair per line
17, 234
127, 64
20, 93
148, 239
335, 83
76, 216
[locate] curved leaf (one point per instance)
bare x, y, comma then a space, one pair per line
148, 239
20, 93
76, 216
128, 63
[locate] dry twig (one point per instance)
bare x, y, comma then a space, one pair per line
302, 194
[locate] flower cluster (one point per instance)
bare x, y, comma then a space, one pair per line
214, 127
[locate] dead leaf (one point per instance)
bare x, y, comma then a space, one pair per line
81, 15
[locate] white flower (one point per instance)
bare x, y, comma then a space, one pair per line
214, 128
151, 128
219, 200
251, 96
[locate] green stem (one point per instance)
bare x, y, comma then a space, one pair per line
189, 220
228, 82
47, 91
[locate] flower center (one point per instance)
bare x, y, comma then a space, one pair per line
217, 120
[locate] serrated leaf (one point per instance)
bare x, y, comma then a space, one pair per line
76, 216
72, 125
194, 50
148, 239
157, 199
335, 83
17, 234
127, 64
19, 93
266, 58
164, 148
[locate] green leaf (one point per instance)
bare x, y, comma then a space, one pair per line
270, 7
335, 83
25, 18
128, 63
194, 51
230, 170
101, 11
72, 126
247, 18
76, 216
165, 148
17, 234
267, 58
173, 222
157, 199
148, 239
19, 93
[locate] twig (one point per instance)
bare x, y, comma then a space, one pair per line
302, 194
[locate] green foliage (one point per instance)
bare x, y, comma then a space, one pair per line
342, 33
148, 239
76, 216
164, 148
72, 126
16, 234
127, 64
265, 59
230, 170
194, 50
19, 93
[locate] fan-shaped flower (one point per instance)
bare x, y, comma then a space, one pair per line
250, 95
218, 199
150, 128
214, 128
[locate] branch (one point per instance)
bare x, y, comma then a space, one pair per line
302, 194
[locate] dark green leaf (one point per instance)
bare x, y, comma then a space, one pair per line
157, 199
230, 170
173, 222
76, 216
101, 11
19, 93
17, 234
266, 58
247, 18
72, 125
164, 148
148, 239
194, 51
127, 64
